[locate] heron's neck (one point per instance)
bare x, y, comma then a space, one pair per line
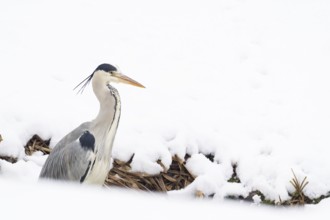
108, 98
108, 108
106, 123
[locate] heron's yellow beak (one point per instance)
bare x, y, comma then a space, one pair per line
125, 79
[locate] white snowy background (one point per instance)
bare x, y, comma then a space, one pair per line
247, 81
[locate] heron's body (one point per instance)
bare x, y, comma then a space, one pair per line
84, 154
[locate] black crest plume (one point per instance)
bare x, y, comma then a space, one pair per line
105, 67
84, 83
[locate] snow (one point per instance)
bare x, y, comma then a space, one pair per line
54, 201
246, 81
256, 199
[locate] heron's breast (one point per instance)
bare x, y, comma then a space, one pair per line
98, 172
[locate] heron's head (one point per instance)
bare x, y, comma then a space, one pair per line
106, 73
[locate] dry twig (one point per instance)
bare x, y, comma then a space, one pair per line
298, 197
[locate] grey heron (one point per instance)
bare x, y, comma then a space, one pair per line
84, 154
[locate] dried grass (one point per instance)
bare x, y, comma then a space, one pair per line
36, 143
298, 197
176, 177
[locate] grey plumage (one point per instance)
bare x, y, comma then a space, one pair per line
68, 160
74, 158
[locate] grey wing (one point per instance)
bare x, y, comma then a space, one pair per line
70, 163
68, 160
72, 136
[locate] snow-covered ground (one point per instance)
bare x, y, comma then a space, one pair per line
58, 201
247, 81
